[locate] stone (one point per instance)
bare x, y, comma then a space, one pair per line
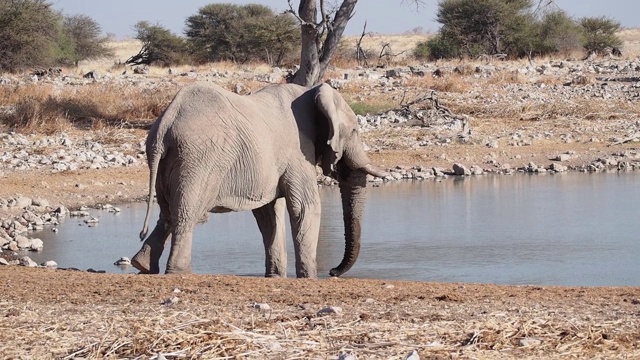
49, 264
330, 310
261, 306
123, 261
461, 170
413, 355
23, 242
529, 341
26, 261
562, 157
23, 202
36, 245
3, 261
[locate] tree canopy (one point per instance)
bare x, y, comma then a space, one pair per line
241, 33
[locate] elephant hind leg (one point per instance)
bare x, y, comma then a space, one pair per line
189, 207
270, 219
147, 260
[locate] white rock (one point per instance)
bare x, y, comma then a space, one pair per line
49, 264
123, 261
36, 245
413, 355
171, 301
347, 356
261, 306
3, 261
26, 261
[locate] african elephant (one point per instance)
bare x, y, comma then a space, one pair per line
216, 151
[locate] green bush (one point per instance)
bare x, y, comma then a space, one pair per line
32, 35
28, 33
436, 48
241, 33
81, 39
559, 33
600, 34
159, 46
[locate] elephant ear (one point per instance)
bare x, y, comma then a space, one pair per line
328, 102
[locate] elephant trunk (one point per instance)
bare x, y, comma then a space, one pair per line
353, 194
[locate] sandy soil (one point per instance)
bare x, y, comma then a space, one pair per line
65, 314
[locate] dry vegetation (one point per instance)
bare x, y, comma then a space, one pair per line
216, 317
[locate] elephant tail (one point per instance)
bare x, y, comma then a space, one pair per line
154, 163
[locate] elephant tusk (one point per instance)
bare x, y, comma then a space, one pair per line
372, 170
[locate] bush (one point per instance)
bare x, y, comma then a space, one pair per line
33, 35
28, 33
436, 48
159, 46
559, 33
600, 34
241, 33
83, 36
479, 27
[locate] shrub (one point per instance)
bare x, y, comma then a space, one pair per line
159, 46
600, 34
436, 48
83, 35
241, 33
28, 33
559, 33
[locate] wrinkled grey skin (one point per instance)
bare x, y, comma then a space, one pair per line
215, 151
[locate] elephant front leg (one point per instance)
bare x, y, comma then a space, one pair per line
304, 211
147, 260
270, 219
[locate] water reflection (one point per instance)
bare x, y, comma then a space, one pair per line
570, 229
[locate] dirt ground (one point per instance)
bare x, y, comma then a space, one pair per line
66, 314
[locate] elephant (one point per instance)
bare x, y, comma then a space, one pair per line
214, 151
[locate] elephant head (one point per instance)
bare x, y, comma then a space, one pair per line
342, 157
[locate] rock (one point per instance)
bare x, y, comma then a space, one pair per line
413, 355
36, 245
460, 170
79, 213
26, 261
346, 356
49, 264
3, 261
558, 167
529, 341
562, 157
91, 220
330, 310
23, 202
170, 301
23, 242
123, 261
261, 306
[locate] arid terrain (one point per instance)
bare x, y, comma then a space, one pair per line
490, 118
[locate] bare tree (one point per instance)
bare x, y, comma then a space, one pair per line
321, 37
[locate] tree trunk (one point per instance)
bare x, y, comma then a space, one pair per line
316, 51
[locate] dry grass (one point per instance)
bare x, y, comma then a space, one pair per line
48, 108
125, 316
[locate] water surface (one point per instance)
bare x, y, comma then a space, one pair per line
568, 229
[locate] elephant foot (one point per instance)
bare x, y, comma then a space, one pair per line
141, 261
178, 271
275, 276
